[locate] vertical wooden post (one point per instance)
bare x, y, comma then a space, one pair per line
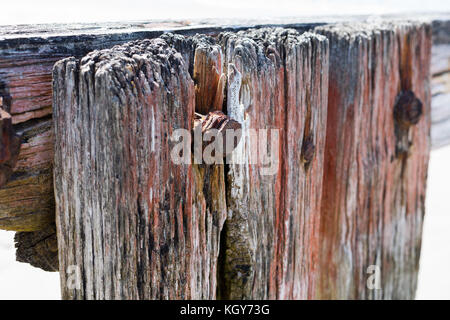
277, 80
125, 215
124, 211
376, 155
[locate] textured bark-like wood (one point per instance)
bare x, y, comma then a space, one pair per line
26, 199
137, 225
27, 54
39, 248
9, 146
277, 79
376, 166
31, 189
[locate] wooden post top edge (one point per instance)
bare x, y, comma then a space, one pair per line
53, 32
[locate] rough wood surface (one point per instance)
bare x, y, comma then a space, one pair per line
27, 54
39, 248
26, 200
115, 112
277, 79
376, 159
9, 146
185, 223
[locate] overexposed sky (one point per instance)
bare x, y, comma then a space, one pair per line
50, 11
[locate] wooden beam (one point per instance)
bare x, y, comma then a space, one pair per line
38, 248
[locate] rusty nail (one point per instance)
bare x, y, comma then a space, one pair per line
220, 121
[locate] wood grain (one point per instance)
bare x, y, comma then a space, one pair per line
114, 186
376, 167
125, 182
277, 79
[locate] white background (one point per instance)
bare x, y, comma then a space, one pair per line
21, 281
48, 11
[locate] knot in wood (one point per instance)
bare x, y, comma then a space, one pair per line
408, 109
308, 149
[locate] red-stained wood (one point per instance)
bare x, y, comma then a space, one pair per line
118, 167
376, 157
277, 81
138, 226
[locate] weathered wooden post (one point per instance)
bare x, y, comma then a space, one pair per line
376, 155
277, 80
126, 211
135, 230
133, 224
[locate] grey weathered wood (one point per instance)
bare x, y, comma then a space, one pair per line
115, 111
98, 99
